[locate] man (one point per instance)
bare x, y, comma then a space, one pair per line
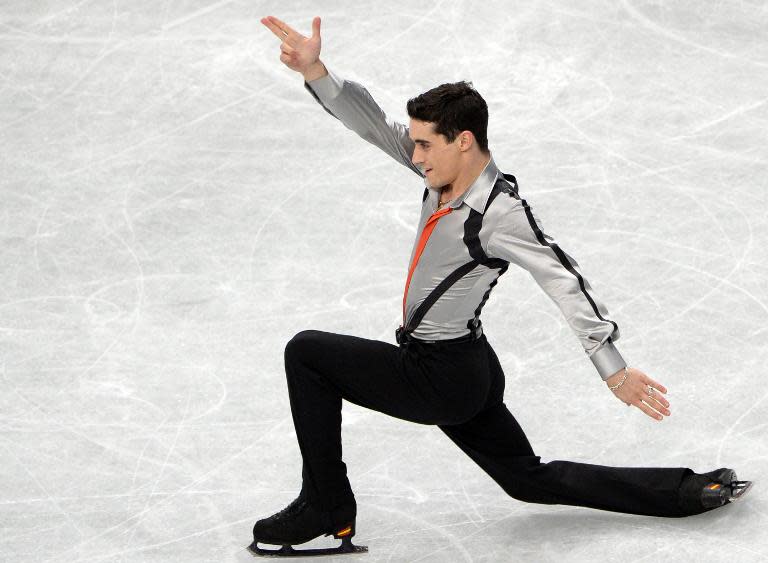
473, 224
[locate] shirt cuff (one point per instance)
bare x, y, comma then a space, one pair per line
607, 360
326, 87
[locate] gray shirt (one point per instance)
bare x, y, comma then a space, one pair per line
461, 250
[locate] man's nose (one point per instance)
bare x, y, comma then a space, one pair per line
416, 157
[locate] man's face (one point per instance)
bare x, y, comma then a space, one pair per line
436, 157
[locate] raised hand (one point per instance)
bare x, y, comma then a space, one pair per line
298, 52
634, 391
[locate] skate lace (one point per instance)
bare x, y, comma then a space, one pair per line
290, 509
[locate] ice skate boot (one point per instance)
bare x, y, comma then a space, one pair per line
300, 522
723, 487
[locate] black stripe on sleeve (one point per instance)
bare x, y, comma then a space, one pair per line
540, 236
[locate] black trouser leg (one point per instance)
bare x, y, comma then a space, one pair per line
496, 442
438, 384
492, 440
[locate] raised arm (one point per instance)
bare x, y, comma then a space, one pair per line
347, 101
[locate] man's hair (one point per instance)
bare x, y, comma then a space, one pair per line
453, 108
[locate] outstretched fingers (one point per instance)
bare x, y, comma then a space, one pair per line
640, 403
281, 29
653, 405
658, 403
273, 27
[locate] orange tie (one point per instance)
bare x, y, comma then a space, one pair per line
428, 228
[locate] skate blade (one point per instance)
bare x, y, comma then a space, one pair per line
740, 489
287, 551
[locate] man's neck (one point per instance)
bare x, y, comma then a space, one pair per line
465, 179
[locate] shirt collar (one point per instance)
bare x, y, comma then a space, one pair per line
476, 196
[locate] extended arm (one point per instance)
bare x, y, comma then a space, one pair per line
350, 103
520, 239
347, 101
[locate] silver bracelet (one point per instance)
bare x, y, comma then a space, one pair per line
619, 384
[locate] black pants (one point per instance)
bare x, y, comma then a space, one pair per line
460, 388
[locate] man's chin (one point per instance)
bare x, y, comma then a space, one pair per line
435, 185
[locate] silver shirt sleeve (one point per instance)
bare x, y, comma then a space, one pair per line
515, 240
350, 103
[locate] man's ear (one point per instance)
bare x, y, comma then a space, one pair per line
466, 140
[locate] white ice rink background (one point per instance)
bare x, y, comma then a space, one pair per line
174, 207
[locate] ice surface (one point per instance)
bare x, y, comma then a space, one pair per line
174, 207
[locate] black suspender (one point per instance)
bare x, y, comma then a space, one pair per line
471, 238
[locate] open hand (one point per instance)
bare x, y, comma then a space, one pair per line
299, 52
634, 391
